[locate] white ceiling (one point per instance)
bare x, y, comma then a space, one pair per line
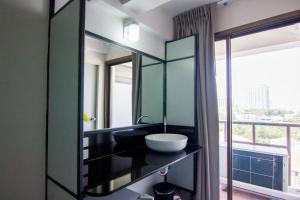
171, 7
174, 7
142, 6
154, 16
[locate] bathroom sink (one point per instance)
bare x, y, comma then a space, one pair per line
166, 142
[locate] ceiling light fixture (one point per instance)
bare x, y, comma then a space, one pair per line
131, 30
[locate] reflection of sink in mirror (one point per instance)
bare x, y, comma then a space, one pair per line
166, 142
130, 136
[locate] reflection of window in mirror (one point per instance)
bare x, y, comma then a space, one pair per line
120, 92
91, 76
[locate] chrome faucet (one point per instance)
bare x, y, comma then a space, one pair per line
142, 117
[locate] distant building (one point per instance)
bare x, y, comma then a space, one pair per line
222, 105
259, 97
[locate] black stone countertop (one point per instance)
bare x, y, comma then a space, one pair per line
107, 174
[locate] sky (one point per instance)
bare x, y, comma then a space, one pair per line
279, 70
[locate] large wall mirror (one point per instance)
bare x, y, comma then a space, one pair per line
121, 87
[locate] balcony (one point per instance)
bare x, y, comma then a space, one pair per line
264, 159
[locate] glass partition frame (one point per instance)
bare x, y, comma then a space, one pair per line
75, 191
188, 55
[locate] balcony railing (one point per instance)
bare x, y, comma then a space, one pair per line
254, 141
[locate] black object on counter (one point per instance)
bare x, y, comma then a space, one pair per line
130, 136
163, 191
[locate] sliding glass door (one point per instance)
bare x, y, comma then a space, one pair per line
221, 78
259, 108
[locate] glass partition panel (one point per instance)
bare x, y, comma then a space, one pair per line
152, 93
63, 105
149, 61
180, 92
181, 48
54, 192
180, 102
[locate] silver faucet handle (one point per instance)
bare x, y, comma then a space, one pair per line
143, 116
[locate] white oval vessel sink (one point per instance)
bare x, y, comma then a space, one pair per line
166, 142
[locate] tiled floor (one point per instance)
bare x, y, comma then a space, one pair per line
241, 195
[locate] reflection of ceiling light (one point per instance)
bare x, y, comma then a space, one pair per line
131, 30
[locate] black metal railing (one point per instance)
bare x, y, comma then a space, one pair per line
253, 141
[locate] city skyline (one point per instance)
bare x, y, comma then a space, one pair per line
263, 69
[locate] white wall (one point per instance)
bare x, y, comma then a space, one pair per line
23, 66
241, 12
116, 52
100, 20
59, 3
155, 20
